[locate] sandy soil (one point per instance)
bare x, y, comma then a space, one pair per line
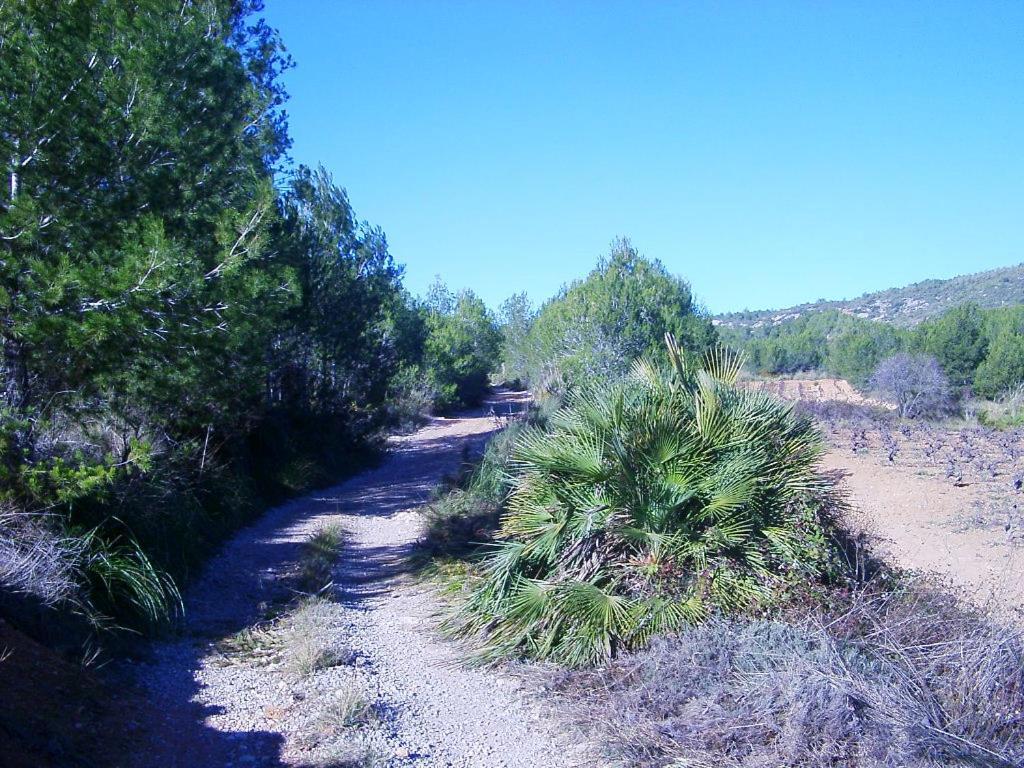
919, 522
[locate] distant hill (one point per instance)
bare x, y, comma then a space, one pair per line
903, 306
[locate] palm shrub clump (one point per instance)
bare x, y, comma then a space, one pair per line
647, 504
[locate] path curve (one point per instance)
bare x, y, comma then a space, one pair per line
432, 709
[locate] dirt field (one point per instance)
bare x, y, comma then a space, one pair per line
928, 525
944, 499
815, 390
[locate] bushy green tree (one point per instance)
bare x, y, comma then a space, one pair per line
856, 354
788, 354
462, 346
139, 139
342, 350
515, 317
957, 340
596, 327
185, 334
1003, 366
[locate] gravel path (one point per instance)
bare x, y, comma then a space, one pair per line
213, 708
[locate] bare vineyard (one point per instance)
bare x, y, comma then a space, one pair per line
989, 461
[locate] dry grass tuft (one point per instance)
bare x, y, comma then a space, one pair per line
36, 561
259, 644
343, 755
316, 569
309, 642
344, 708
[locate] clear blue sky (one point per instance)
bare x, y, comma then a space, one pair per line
769, 152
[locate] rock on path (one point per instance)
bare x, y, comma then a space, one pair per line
430, 709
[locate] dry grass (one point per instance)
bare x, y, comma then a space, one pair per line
310, 643
343, 755
316, 569
258, 645
905, 679
344, 708
37, 562
330, 737
305, 640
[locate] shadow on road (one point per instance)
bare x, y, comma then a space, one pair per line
170, 728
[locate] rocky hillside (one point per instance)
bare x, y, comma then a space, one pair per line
904, 306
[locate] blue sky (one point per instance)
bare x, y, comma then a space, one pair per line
770, 153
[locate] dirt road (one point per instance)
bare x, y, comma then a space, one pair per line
426, 707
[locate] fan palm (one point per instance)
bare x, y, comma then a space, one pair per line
644, 505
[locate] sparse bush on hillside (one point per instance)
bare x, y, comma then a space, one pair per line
122, 582
645, 505
1007, 412
906, 306
916, 384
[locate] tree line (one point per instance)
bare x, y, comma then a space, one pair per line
980, 349
191, 327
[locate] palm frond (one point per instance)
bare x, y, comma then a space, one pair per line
723, 365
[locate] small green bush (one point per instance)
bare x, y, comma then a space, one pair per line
645, 505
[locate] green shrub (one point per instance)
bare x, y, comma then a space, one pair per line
958, 340
122, 582
461, 349
1003, 367
645, 505
412, 399
595, 327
